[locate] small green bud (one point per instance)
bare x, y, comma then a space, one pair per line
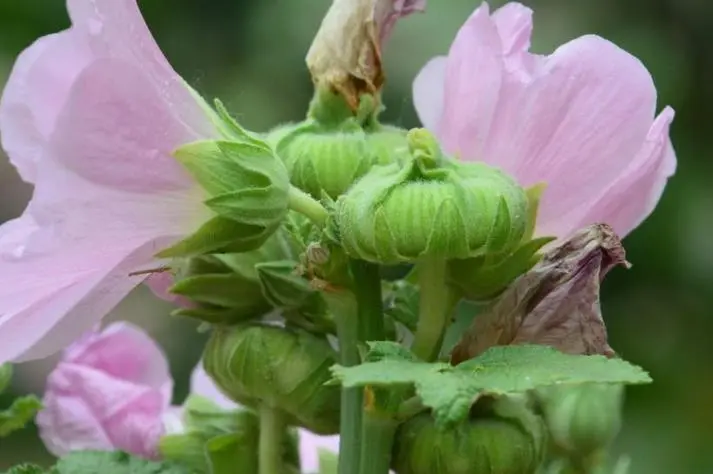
324, 159
582, 419
248, 188
488, 443
429, 205
287, 369
226, 288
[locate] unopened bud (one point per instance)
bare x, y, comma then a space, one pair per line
287, 369
429, 205
582, 419
487, 443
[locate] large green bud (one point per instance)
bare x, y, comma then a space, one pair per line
582, 419
333, 148
286, 369
227, 288
430, 205
511, 442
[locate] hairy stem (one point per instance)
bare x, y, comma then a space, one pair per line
436, 304
309, 207
272, 430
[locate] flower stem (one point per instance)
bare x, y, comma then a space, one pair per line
272, 430
436, 304
378, 441
344, 307
306, 205
367, 288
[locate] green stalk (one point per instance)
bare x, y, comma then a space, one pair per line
436, 304
367, 289
344, 307
272, 431
378, 438
300, 201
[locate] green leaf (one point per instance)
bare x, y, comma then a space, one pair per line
30, 469
21, 412
450, 391
403, 304
5, 376
92, 462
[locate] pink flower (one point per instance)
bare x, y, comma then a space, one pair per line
90, 116
581, 119
111, 391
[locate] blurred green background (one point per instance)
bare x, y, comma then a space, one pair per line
250, 53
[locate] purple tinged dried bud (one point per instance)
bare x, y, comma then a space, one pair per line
345, 55
555, 304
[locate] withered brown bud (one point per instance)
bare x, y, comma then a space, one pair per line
555, 304
345, 55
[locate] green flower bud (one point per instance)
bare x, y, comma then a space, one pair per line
582, 419
326, 159
226, 288
488, 443
248, 188
429, 205
287, 369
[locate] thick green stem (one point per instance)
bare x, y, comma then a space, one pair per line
367, 289
272, 431
306, 205
378, 435
436, 304
344, 307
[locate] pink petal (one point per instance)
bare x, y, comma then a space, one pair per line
575, 119
474, 74
125, 352
117, 30
34, 95
117, 130
634, 195
86, 408
581, 122
428, 92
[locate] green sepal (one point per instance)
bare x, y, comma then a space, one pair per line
247, 185
21, 412
483, 278
223, 290
300, 303
218, 234
30, 469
